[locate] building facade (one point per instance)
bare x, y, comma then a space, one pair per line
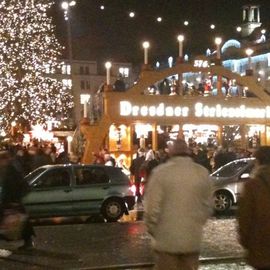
86, 78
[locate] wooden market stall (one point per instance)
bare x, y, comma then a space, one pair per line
137, 117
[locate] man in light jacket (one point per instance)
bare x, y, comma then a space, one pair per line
177, 205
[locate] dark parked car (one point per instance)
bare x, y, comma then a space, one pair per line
78, 190
228, 182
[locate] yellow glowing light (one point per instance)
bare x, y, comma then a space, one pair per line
238, 29
108, 65
218, 40
181, 38
29, 55
38, 132
249, 52
146, 44
69, 139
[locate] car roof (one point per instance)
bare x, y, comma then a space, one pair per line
78, 165
250, 159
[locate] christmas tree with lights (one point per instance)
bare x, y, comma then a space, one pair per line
28, 58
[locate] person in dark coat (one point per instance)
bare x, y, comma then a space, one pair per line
14, 187
254, 213
136, 171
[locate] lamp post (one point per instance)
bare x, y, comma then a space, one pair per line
84, 100
180, 39
108, 66
249, 52
13, 125
249, 71
218, 42
69, 140
146, 46
66, 6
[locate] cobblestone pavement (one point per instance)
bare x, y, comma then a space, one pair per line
90, 246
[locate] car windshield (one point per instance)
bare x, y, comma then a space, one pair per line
230, 169
34, 174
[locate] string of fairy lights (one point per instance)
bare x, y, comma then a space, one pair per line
28, 49
132, 14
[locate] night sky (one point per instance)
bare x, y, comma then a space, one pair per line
112, 34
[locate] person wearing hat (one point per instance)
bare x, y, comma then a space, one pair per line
178, 202
254, 212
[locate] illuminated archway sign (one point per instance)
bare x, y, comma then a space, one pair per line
127, 109
199, 110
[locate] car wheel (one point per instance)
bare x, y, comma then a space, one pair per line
112, 209
222, 201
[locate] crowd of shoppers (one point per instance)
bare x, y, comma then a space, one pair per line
27, 158
178, 196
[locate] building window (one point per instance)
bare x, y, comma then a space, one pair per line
87, 70
82, 85
124, 72
66, 69
87, 85
81, 70
67, 83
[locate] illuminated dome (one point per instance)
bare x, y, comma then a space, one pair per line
230, 43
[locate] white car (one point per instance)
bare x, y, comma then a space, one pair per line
228, 182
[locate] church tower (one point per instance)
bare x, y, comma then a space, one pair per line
251, 19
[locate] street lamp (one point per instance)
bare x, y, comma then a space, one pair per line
13, 125
69, 141
108, 66
66, 6
249, 52
218, 42
146, 46
180, 39
238, 29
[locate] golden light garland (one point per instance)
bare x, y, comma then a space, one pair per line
28, 47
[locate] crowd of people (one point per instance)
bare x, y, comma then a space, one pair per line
145, 159
27, 158
202, 87
177, 200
